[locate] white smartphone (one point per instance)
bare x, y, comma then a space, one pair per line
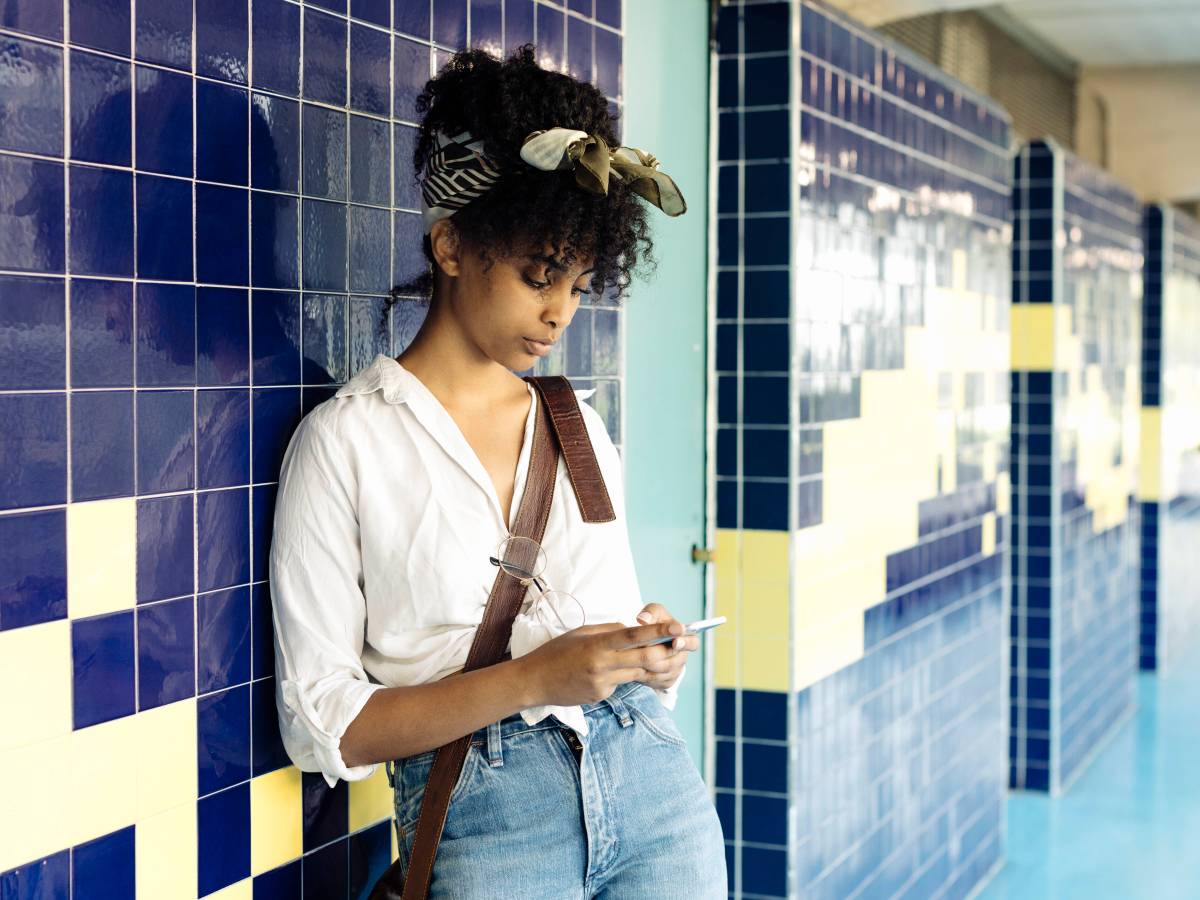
694, 628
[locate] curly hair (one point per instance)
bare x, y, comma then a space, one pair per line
527, 209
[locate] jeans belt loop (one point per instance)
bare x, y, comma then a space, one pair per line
620, 709
390, 768
495, 751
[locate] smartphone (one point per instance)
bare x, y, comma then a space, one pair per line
696, 627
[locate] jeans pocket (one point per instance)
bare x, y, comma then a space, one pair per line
648, 711
412, 774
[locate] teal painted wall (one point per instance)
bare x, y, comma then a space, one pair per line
666, 113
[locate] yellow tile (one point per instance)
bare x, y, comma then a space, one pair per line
35, 709
371, 800
819, 652
765, 664
764, 555
1032, 336
1003, 493
239, 890
166, 754
989, 534
764, 610
276, 819
101, 556
102, 779
1150, 471
36, 803
725, 658
166, 855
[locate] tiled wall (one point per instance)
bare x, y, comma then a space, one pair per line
202, 208
1077, 291
862, 350
1169, 483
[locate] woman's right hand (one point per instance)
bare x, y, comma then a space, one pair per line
586, 665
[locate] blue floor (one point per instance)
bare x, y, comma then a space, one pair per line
1129, 827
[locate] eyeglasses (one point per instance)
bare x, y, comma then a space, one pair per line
524, 559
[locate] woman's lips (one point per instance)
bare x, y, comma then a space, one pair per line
537, 348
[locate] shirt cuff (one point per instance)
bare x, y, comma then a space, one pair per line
325, 731
669, 696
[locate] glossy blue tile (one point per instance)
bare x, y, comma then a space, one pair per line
323, 136
450, 23
166, 323
33, 450
164, 233
408, 188
518, 24
222, 40
101, 222
103, 667
163, 33
33, 568
274, 143
223, 538
324, 329
222, 438
764, 871
766, 241
764, 819
326, 810
268, 753
222, 235
262, 518
33, 17
164, 121
105, 867
369, 270
764, 715
274, 240
103, 24
275, 31
276, 414
32, 333
223, 738
412, 18
608, 62
370, 853
767, 188
408, 260
370, 70
164, 547
101, 444
222, 336
326, 871
165, 441
609, 12
101, 333
550, 28
222, 639
48, 877
579, 48
220, 124
166, 634
370, 150
275, 337
368, 331
101, 109
412, 71
223, 838
765, 505
324, 58
324, 245
31, 215
377, 11
487, 25
280, 883
262, 632
31, 97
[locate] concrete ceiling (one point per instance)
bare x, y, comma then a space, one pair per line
1089, 32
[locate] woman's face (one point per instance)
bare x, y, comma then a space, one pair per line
518, 307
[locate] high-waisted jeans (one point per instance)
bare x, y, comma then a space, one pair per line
625, 817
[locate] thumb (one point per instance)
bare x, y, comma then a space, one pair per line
653, 612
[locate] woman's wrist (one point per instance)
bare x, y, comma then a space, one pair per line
526, 682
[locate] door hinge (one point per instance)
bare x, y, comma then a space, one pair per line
703, 554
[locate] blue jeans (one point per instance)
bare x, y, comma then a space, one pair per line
627, 818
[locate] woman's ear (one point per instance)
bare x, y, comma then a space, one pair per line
443, 240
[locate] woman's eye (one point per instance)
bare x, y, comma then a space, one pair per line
540, 285
580, 291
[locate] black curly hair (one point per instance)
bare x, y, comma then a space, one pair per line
501, 101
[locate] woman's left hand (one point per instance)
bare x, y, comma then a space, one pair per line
667, 672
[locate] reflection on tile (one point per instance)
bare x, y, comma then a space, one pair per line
223, 639
222, 40
32, 333
164, 33
101, 222
31, 107
102, 655
101, 445
31, 215
166, 323
276, 46
164, 121
165, 441
101, 109
164, 547
166, 638
33, 445
33, 568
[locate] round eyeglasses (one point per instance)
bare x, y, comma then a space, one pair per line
524, 559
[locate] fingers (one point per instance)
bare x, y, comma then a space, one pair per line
639, 634
654, 612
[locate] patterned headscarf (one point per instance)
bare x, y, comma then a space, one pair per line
458, 171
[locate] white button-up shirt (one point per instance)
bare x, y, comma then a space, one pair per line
385, 520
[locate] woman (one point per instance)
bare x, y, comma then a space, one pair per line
396, 494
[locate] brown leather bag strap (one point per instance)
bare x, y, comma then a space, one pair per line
550, 433
577, 450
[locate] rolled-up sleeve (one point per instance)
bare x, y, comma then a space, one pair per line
618, 557
318, 607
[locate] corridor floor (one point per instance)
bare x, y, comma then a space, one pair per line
1129, 827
